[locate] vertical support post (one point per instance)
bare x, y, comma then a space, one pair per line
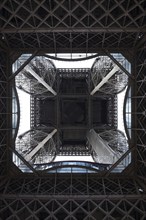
89, 101
58, 109
4, 125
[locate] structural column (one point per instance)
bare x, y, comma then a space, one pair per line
4, 112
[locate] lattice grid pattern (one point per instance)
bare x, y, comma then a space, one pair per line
141, 113
74, 197
71, 209
3, 113
72, 25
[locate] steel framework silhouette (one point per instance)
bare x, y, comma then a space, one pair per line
103, 27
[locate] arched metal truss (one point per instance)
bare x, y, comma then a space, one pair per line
115, 139
107, 77
15, 112
108, 146
36, 146
38, 77
127, 110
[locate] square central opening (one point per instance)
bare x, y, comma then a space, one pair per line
73, 112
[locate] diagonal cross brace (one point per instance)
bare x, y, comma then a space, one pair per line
23, 65
105, 79
40, 145
40, 80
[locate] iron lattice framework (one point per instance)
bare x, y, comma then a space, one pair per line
66, 197
140, 112
73, 26
3, 114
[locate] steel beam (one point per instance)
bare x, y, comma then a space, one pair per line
74, 197
40, 80
105, 80
117, 63
40, 145
101, 148
23, 65
74, 30
118, 161
24, 161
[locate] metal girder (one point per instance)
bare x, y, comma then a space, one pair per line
72, 185
73, 208
23, 65
4, 112
139, 98
101, 148
73, 16
82, 42
40, 80
39, 146
74, 30
118, 161
120, 23
118, 26
117, 63
24, 161
105, 80
73, 197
